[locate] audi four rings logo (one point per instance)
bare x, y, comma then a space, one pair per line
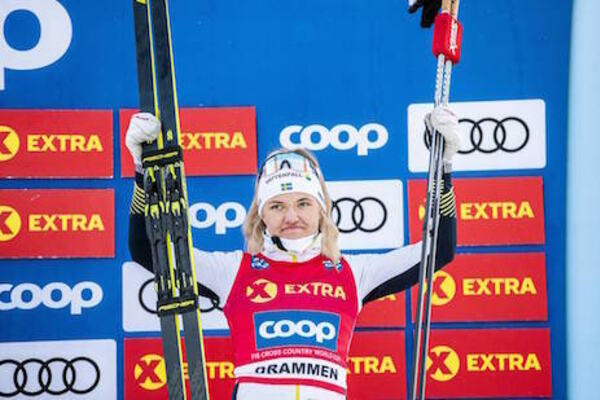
350, 214
55, 376
341, 137
513, 130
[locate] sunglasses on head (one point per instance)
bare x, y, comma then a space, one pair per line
291, 160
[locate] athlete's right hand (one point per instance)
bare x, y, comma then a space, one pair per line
143, 127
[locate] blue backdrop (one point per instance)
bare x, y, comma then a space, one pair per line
297, 62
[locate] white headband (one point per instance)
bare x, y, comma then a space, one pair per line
288, 173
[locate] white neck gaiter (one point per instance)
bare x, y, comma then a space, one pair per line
295, 249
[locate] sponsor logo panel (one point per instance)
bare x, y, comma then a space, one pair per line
495, 135
369, 214
144, 370
263, 291
296, 328
295, 368
479, 363
139, 303
490, 287
490, 211
210, 138
342, 137
225, 216
36, 299
376, 366
57, 223
389, 311
75, 369
56, 32
54, 295
48, 143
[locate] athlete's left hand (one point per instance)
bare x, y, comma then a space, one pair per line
445, 121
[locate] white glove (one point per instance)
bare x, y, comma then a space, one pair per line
143, 127
444, 121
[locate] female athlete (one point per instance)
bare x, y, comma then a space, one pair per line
291, 298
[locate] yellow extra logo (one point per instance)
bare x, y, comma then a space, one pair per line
10, 223
442, 363
150, 372
261, 291
444, 288
422, 211
9, 143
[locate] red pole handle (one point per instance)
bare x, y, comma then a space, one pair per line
447, 37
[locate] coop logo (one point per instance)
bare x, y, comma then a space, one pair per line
56, 33
226, 216
150, 372
10, 223
444, 288
296, 328
342, 137
54, 295
213, 140
9, 143
442, 363
261, 291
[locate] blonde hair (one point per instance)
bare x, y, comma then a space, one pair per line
254, 227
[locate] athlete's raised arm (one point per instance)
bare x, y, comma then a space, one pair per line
379, 275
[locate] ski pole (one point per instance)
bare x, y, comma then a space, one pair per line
446, 47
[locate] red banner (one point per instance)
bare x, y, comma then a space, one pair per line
490, 211
389, 311
56, 144
144, 371
490, 287
215, 141
489, 363
57, 223
376, 361
376, 366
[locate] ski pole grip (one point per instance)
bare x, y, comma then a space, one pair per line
447, 37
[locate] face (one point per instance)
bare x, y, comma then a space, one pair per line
292, 215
